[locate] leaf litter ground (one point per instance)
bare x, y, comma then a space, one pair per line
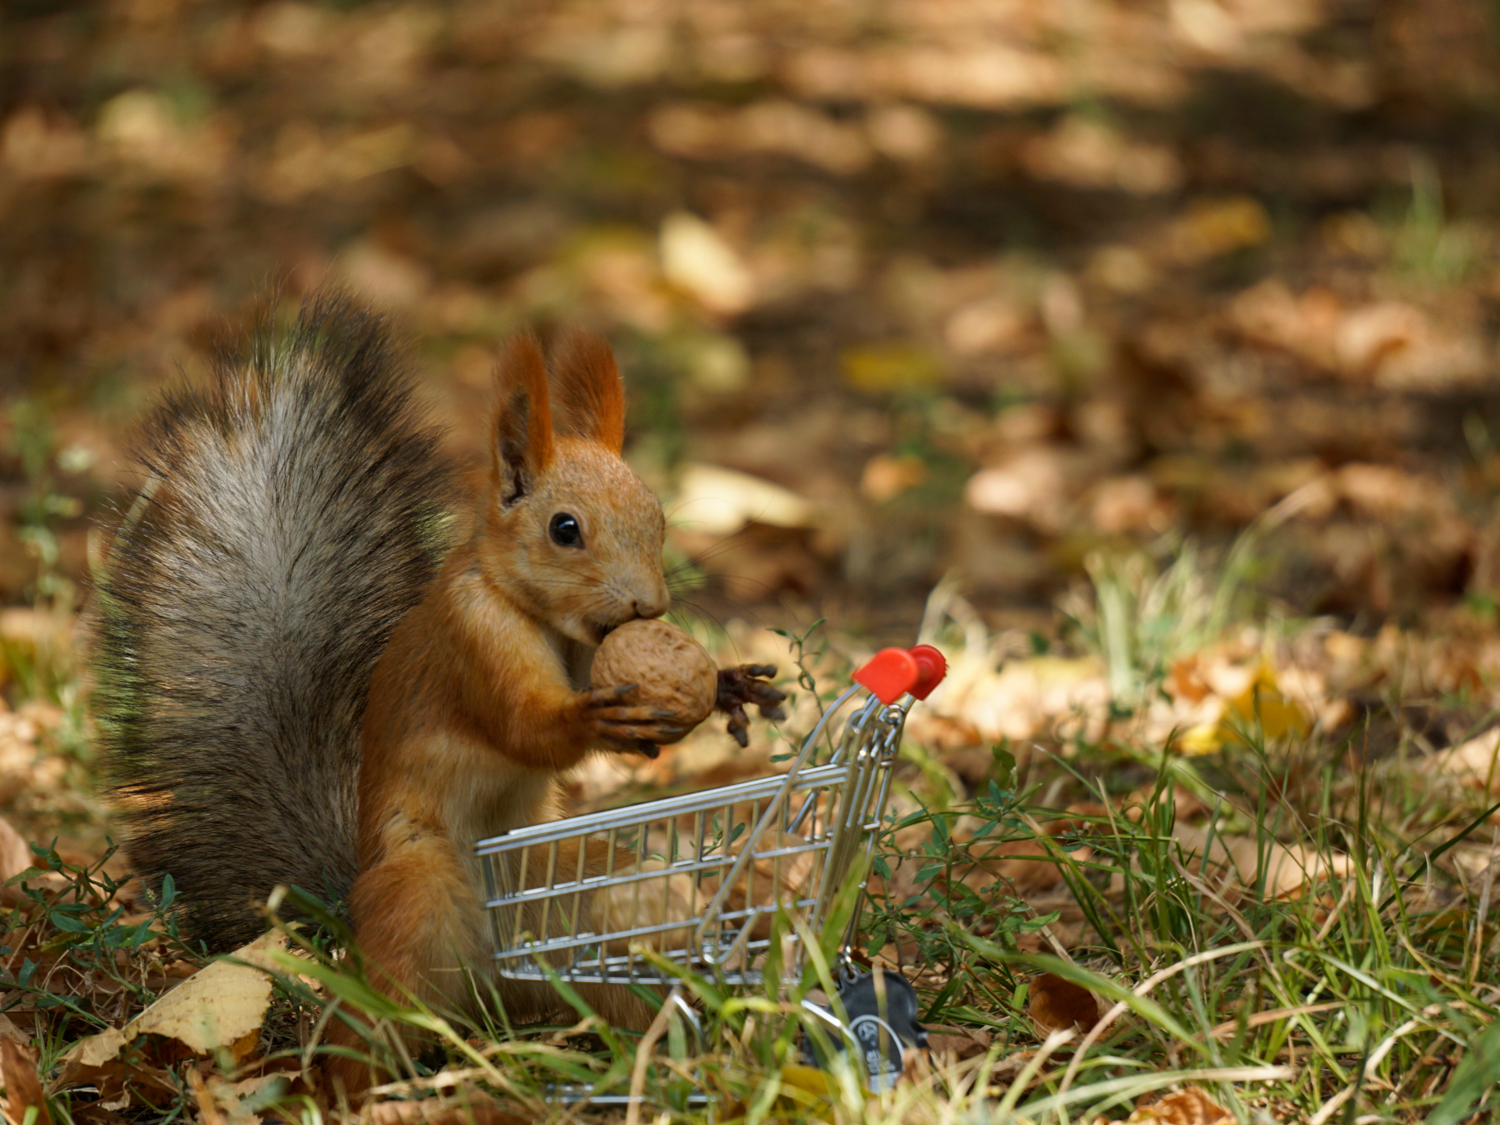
1036, 296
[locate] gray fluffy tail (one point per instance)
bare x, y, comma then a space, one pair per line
293, 513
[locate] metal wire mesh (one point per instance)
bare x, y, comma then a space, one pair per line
696, 878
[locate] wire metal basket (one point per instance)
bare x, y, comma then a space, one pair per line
698, 878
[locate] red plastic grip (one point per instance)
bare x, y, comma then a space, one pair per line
889, 674
931, 668
892, 672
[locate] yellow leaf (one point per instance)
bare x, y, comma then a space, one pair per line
1265, 706
809, 1079
1201, 739
895, 367
1222, 226
221, 1005
96, 1050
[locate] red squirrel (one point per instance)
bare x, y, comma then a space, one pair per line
299, 681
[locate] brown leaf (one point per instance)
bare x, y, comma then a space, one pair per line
23, 1089
1190, 1106
1184, 681
15, 854
1285, 870
16, 857
121, 1085
1027, 867
208, 1111
8, 1030
97, 1114
1476, 762
958, 1042
886, 477
1058, 1004
473, 1110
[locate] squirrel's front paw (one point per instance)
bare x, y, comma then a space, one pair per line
744, 684
616, 723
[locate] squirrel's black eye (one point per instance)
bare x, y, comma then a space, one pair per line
565, 530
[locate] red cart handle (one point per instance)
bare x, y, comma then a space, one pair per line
893, 672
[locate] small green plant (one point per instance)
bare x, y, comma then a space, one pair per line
1149, 608
1427, 244
84, 924
42, 665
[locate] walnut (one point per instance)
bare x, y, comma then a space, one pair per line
673, 670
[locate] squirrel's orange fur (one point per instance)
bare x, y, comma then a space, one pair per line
475, 706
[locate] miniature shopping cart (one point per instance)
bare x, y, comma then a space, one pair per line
697, 880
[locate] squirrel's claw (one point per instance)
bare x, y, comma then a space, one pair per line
746, 684
739, 726
629, 728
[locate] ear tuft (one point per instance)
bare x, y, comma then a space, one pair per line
587, 391
522, 445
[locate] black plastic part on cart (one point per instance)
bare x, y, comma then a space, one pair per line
880, 1026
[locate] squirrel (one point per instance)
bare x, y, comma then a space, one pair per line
304, 676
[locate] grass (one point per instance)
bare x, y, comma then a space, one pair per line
1364, 991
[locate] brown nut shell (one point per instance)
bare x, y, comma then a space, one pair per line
672, 670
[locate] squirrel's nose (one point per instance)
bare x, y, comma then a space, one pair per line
655, 607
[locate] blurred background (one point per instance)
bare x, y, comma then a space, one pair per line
985, 290
1143, 354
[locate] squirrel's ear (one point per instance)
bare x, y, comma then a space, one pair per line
587, 393
523, 419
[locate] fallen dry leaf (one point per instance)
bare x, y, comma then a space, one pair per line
231, 1096
1473, 762
16, 857
887, 368
720, 501
1184, 681
97, 1050
221, 1005
1017, 866
1216, 227
208, 1111
958, 1042
1057, 1004
1190, 1106
23, 1089
1261, 706
15, 854
1287, 869
121, 1085
476, 1109
1028, 696
886, 477
696, 258
8, 1030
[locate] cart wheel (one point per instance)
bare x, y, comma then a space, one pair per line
880, 1030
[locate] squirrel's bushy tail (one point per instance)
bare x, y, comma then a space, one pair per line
291, 516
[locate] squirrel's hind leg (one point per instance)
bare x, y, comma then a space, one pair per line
418, 923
